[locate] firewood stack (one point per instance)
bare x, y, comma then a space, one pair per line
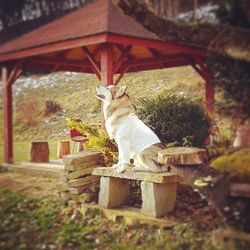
78, 184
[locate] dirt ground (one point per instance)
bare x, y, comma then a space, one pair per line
34, 186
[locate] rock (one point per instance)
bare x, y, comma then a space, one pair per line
92, 187
158, 199
83, 181
62, 187
84, 197
240, 190
182, 156
81, 157
79, 166
79, 173
164, 177
113, 192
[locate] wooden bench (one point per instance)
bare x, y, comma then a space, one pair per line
158, 190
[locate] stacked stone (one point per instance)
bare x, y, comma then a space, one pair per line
77, 183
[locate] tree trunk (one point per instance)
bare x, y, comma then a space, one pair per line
229, 41
63, 148
39, 151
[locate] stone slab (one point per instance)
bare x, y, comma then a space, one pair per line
81, 157
79, 173
62, 187
158, 199
80, 166
113, 192
128, 215
83, 181
92, 187
165, 177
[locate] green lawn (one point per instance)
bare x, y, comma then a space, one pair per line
21, 150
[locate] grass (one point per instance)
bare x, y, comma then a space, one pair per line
21, 150
29, 223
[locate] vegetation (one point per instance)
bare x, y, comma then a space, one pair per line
29, 223
52, 107
175, 119
236, 164
98, 140
233, 76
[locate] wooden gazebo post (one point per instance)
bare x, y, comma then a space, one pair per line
106, 53
9, 75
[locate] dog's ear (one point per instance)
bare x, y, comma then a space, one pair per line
120, 92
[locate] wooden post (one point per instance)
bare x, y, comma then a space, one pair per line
9, 75
107, 72
209, 101
7, 116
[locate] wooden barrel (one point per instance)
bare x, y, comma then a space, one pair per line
63, 148
39, 151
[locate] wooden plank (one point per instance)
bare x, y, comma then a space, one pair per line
156, 44
165, 177
83, 181
79, 173
240, 190
81, 165
81, 157
122, 58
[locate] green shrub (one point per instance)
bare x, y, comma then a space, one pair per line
175, 119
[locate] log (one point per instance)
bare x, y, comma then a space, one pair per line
240, 190
182, 156
39, 151
63, 148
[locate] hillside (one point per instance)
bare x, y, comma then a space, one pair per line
75, 93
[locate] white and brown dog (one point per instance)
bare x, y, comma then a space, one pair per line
134, 138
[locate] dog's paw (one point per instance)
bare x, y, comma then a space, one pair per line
121, 168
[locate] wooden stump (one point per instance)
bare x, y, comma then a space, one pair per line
39, 151
182, 156
63, 148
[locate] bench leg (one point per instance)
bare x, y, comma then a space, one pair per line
158, 199
114, 192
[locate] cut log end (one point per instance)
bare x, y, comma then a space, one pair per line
39, 151
182, 156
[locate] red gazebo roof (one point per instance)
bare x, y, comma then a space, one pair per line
96, 18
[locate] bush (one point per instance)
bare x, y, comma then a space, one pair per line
52, 107
175, 119
98, 140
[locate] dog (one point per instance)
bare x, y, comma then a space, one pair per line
134, 138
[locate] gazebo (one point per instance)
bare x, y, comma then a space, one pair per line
97, 39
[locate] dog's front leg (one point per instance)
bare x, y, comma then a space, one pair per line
124, 153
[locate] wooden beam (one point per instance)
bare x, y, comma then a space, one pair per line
106, 53
189, 49
124, 71
122, 58
7, 115
209, 88
91, 59
53, 47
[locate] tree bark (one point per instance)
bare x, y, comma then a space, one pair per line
39, 151
226, 40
